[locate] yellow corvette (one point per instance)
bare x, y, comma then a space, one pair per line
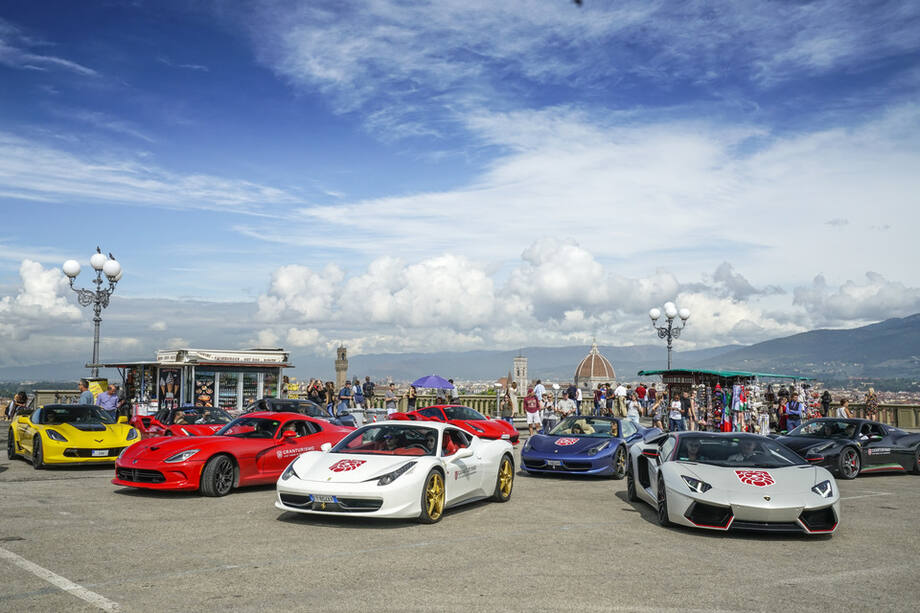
57, 434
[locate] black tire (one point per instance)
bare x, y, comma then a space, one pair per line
630, 483
503, 488
218, 476
10, 446
663, 518
849, 463
916, 469
38, 458
432, 513
619, 463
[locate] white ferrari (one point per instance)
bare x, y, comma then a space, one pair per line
398, 469
732, 481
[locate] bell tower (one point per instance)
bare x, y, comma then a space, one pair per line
520, 374
341, 366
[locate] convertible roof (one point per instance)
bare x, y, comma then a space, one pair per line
728, 374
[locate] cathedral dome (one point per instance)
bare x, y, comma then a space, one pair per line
595, 368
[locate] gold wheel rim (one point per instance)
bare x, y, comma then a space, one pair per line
434, 496
505, 478
621, 461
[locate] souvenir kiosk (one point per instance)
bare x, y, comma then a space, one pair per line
226, 378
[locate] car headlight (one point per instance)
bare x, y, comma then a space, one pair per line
132, 434
54, 435
393, 476
289, 471
527, 445
696, 485
824, 489
598, 448
181, 456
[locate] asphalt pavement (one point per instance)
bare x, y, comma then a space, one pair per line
70, 540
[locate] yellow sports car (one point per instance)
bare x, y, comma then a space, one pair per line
58, 434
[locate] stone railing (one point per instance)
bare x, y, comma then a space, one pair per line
899, 415
484, 403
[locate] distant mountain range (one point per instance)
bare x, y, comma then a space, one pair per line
886, 350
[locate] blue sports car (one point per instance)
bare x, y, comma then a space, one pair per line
584, 445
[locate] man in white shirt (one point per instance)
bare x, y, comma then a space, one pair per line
539, 391
619, 396
566, 406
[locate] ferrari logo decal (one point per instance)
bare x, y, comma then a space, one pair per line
565, 442
759, 478
344, 465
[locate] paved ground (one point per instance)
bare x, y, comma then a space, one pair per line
558, 545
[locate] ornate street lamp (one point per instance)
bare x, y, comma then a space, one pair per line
670, 331
99, 297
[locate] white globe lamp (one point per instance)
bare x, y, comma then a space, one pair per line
97, 261
654, 314
112, 269
71, 268
684, 314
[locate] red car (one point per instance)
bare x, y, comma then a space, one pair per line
466, 418
253, 449
183, 421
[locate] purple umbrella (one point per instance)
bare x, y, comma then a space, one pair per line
433, 382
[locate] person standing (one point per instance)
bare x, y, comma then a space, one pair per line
411, 397
688, 415
513, 396
549, 413
454, 393
641, 395
389, 400
651, 394
357, 393
599, 399
657, 412
506, 408
571, 391
344, 397
843, 410
826, 404
578, 400
18, 404
675, 416
619, 395
539, 391
632, 410
793, 412
368, 388
532, 410
86, 396
566, 406
108, 401
872, 404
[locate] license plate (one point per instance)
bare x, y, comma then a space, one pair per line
323, 498
100, 453
554, 463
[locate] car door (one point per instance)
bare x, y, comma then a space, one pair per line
876, 446
281, 450
462, 474
25, 430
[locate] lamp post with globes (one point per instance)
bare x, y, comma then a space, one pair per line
99, 297
669, 331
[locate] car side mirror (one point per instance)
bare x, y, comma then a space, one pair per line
287, 435
466, 452
326, 446
123, 419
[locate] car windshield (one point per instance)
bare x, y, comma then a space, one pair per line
586, 426
826, 428
75, 414
463, 413
390, 439
741, 451
304, 407
200, 415
250, 427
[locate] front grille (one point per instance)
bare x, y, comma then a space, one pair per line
703, 514
343, 505
74, 452
766, 526
296, 500
139, 475
578, 465
819, 520
533, 463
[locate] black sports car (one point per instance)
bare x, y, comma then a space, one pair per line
850, 447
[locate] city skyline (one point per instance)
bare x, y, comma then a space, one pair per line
454, 175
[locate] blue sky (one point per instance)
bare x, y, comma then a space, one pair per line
417, 176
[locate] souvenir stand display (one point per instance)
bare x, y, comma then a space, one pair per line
230, 379
725, 400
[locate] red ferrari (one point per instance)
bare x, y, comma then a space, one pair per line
466, 418
183, 421
250, 450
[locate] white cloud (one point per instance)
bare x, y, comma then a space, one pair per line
16, 51
42, 301
158, 326
875, 299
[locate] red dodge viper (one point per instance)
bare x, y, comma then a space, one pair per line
250, 450
466, 418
